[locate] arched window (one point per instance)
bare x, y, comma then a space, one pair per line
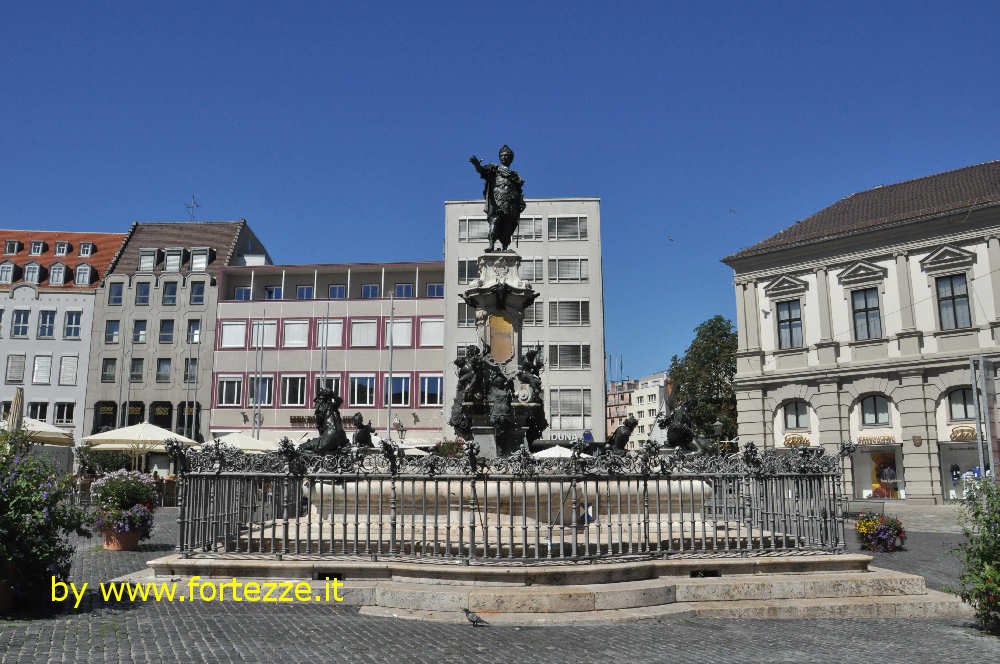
962, 404
796, 415
874, 411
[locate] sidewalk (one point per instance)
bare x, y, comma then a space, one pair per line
925, 518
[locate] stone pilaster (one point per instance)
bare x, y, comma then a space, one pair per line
750, 415
909, 336
916, 414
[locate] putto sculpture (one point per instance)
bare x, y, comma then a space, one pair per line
332, 436
504, 197
362, 432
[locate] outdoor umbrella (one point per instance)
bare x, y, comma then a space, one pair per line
144, 437
556, 451
248, 443
41, 432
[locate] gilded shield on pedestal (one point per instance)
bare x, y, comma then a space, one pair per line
501, 338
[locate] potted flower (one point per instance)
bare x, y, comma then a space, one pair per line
878, 532
125, 502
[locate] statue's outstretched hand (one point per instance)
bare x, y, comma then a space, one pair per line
474, 160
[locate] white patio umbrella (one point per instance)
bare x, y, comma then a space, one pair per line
42, 432
556, 452
248, 443
145, 437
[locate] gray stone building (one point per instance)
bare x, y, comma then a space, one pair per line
47, 286
858, 322
559, 241
154, 324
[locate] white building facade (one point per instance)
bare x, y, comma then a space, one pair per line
858, 324
650, 393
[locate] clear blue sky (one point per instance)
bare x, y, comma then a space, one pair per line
339, 130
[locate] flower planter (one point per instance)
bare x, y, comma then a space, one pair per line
121, 541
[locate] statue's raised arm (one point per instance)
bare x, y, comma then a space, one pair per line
504, 197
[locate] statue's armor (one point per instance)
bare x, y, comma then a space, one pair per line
507, 192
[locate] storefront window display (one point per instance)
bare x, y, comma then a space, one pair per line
878, 473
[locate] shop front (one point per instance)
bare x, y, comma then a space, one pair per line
960, 464
878, 469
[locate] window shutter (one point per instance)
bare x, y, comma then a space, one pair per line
265, 333
43, 369
402, 332
67, 369
432, 332
234, 334
15, 368
363, 333
330, 333
296, 334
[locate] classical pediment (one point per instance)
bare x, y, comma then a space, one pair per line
948, 258
784, 286
861, 272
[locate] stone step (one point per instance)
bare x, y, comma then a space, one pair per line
538, 619
878, 582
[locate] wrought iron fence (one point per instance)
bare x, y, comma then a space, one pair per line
509, 510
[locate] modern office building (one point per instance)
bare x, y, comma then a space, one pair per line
47, 286
154, 324
858, 323
284, 331
559, 241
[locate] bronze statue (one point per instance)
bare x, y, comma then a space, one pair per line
328, 423
619, 439
528, 374
362, 432
504, 197
674, 429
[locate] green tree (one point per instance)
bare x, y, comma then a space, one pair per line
703, 378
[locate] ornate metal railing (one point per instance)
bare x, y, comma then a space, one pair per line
515, 509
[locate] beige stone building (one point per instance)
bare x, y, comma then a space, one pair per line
649, 395
858, 323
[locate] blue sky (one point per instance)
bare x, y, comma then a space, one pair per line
715, 124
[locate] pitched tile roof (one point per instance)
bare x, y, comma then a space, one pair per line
104, 247
219, 236
887, 205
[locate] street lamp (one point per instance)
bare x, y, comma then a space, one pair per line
717, 426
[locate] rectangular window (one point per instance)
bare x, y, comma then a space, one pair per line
331, 383
296, 333
42, 373
362, 391
404, 290
263, 334
190, 369
197, 292
142, 294
338, 291
530, 228
569, 270
163, 370
261, 390
293, 391
874, 411
38, 410
303, 292
532, 270
82, 275
46, 324
431, 390
115, 293
435, 290
432, 332
199, 260
462, 350
401, 333
567, 228
15, 368
534, 314
108, 367
569, 356
139, 332
167, 331
962, 404
867, 324
19, 323
369, 291
466, 315
363, 333
234, 333
111, 329
67, 369
86, 248
10, 247
242, 294
194, 331
953, 302
169, 293
62, 248
570, 408
36, 248
64, 413
57, 275
229, 391
467, 271
31, 274
71, 326
147, 260
397, 391
330, 333
172, 263
789, 324
473, 230
272, 292
569, 312
6, 273
136, 370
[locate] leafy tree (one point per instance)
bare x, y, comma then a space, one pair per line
703, 378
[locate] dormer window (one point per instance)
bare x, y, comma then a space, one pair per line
57, 275
10, 247
83, 275
62, 248
6, 272
199, 259
86, 248
37, 247
147, 260
172, 263
31, 272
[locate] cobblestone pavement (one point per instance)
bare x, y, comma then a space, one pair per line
926, 554
242, 632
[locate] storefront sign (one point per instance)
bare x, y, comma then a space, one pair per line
964, 433
796, 440
876, 439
